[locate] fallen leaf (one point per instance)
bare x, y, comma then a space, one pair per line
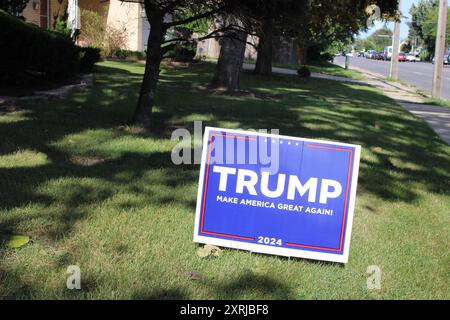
215, 251
17, 241
202, 253
209, 250
193, 275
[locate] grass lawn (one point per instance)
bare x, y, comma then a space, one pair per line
325, 68
91, 191
438, 102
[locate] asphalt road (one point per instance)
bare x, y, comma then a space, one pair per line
419, 74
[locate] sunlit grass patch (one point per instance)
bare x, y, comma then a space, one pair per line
23, 158
14, 116
110, 144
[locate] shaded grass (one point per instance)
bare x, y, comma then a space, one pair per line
326, 68
95, 192
438, 102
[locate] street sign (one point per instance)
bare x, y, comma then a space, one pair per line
276, 194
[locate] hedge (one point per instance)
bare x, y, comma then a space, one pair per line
28, 49
304, 72
130, 55
88, 57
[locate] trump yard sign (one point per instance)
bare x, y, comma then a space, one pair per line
276, 194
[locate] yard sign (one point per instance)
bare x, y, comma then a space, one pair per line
298, 204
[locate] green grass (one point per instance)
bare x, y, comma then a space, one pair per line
327, 68
438, 102
94, 192
441, 102
400, 81
428, 99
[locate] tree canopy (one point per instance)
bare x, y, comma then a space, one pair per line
311, 22
14, 7
429, 28
378, 40
419, 14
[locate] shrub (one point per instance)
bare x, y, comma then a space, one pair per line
93, 29
130, 55
183, 53
425, 55
14, 7
88, 57
115, 39
327, 57
28, 49
95, 33
304, 72
61, 27
318, 54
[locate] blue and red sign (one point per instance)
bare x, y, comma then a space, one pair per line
277, 195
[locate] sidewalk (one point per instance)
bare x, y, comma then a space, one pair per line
438, 118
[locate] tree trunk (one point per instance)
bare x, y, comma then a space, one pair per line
143, 113
302, 56
230, 61
265, 49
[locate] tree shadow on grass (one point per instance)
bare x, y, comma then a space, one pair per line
398, 149
338, 111
250, 284
160, 294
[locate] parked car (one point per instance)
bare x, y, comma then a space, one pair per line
381, 55
446, 59
388, 52
370, 53
410, 57
402, 57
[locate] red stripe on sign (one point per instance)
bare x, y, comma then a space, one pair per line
205, 188
310, 247
346, 199
325, 147
228, 235
232, 136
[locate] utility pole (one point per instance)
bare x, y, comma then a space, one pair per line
439, 52
393, 72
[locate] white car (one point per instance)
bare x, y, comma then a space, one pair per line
412, 58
